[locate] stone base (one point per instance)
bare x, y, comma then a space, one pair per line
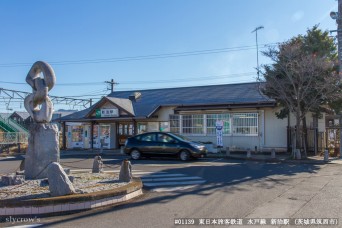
43, 148
12, 179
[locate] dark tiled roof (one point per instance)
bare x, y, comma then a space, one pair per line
150, 100
76, 115
23, 115
200, 95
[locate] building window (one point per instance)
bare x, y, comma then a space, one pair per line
211, 123
192, 124
142, 128
233, 124
164, 126
174, 123
245, 123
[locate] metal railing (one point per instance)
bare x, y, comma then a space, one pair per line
13, 137
13, 124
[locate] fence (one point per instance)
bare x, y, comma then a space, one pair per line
315, 140
8, 138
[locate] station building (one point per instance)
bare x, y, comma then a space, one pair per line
248, 116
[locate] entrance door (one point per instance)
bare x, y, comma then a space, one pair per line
105, 136
125, 130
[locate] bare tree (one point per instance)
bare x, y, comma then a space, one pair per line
299, 80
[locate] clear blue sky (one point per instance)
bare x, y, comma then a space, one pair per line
66, 33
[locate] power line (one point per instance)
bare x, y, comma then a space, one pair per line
205, 78
180, 79
60, 84
145, 57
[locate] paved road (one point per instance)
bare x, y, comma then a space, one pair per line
230, 190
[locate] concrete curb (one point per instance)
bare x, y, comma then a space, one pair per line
289, 161
71, 203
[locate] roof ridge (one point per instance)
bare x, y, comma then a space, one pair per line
174, 88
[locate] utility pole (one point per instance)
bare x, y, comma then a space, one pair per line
338, 17
339, 38
112, 83
257, 46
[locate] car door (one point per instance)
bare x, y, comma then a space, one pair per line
148, 143
167, 145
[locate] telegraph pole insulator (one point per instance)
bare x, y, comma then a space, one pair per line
112, 83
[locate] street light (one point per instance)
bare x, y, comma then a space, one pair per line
256, 40
334, 15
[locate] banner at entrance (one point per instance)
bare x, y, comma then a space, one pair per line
219, 132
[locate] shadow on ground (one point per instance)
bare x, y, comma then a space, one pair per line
226, 178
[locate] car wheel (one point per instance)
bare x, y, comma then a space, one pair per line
184, 155
135, 154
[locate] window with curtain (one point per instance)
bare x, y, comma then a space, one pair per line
245, 123
211, 123
192, 124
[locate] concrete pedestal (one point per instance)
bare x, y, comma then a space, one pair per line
43, 148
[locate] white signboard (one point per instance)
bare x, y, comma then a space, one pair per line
219, 132
113, 112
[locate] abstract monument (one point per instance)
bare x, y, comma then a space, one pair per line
43, 145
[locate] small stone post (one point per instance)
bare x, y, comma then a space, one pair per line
248, 153
97, 165
326, 155
227, 151
125, 171
256, 149
298, 154
273, 154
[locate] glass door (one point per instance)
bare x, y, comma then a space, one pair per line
125, 130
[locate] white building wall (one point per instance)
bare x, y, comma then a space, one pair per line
275, 130
164, 113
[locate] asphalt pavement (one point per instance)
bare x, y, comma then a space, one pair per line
215, 189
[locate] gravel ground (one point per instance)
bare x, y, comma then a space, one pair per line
83, 183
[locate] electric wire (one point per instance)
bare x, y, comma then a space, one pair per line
147, 57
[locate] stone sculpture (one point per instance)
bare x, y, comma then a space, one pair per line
125, 171
59, 183
43, 145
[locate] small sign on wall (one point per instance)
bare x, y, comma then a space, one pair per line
219, 132
112, 112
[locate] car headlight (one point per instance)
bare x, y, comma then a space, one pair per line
197, 146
